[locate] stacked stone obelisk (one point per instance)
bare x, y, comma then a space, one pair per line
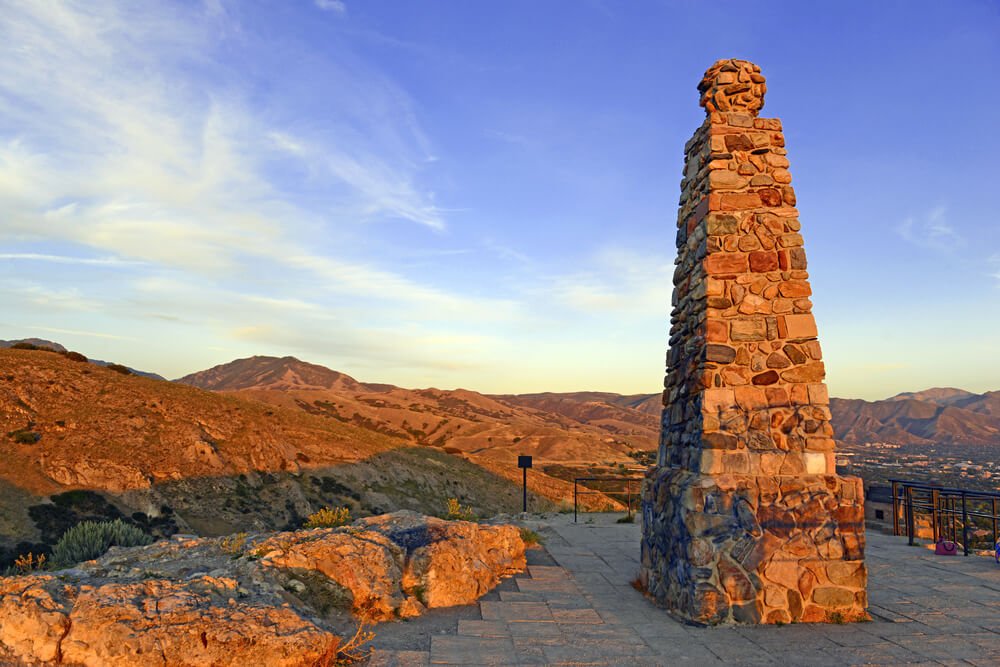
745, 519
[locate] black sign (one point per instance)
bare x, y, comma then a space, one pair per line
523, 461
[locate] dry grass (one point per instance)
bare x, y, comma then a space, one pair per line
329, 517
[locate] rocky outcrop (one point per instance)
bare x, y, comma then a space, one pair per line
450, 562
275, 599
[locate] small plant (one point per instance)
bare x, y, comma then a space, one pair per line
329, 518
420, 592
455, 511
118, 368
531, 538
347, 653
628, 518
90, 539
74, 356
26, 437
836, 617
234, 544
29, 562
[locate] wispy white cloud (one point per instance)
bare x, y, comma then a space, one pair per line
78, 332
617, 281
335, 6
127, 141
994, 267
933, 231
64, 259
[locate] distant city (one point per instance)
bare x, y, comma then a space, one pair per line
972, 467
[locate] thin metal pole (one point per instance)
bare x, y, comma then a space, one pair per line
525, 471
574, 501
995, 516
937, 528
909, 513
895, 509
965, 526
954, 521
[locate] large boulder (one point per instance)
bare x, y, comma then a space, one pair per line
450, 563
275, 599
154, 622
33, 617
368, 565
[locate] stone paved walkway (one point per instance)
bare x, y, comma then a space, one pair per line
580, 609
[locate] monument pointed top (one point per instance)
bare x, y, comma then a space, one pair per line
733, 85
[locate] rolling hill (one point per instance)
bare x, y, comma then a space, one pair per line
213, 462
490, 431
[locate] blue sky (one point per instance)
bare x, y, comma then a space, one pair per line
482, 194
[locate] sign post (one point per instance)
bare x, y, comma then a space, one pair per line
524, 462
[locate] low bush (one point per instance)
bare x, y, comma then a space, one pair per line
456, 511
91, 539
530, 538
29, 562
26, 437
329, 517
118, 368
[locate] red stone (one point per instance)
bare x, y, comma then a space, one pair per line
736, 201
794, 288
769, 197
783, 260
767, 377
727, 262
762, 261
738, 142
716, 331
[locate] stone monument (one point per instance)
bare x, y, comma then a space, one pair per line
744, 516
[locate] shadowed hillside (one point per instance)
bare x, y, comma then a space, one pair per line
490, 431
218, 462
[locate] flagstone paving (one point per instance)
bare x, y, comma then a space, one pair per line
576, 606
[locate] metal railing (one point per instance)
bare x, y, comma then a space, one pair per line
955, 514
628, 488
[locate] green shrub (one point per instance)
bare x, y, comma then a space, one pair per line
455, 511
531, 538
90, 539
25, 437
329, 518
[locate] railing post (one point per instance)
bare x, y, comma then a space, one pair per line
895, 509
574, 500
909, 513
995, 516
935, 509
965, 526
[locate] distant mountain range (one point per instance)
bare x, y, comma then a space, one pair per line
942, 416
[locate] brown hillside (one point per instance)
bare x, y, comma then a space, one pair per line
611, 412
218, 461
483, 428
943, 417
271, 373
102, 430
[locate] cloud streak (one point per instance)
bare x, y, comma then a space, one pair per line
933, 231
